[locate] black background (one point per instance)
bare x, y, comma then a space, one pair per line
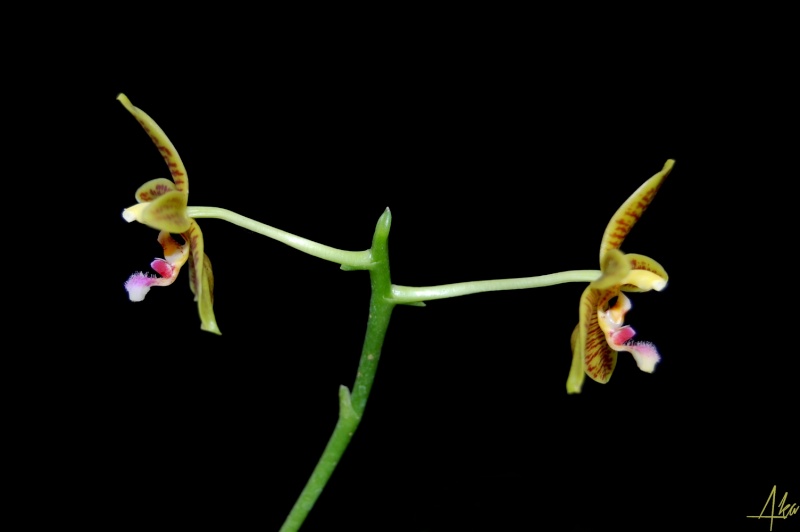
500, 155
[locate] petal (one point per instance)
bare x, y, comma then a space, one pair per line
615, 316
643, 281
194, 236
163, 268
591, 353
153, 189
174, 253
162, 142
598, 356
639, 280
138, 285
175, 256
201, 279
644, 353
205, 303
640, 262
621, 335
576, 372
590, 350
165, 213
630, 211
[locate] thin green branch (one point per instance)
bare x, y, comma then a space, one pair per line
414, 294
359, 260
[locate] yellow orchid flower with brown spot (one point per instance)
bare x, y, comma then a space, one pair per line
161, 204
601, 332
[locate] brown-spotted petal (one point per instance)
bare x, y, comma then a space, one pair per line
646, 274
201, 279
591, 353
630, 211
205, 304
598, 357
162, 142
154, 189
166, 213
641, 262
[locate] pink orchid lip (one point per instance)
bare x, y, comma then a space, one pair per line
621, 335
164, 268
139, 284
644, 353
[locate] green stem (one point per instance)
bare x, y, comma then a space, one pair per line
359, 260
412, 294
351, 409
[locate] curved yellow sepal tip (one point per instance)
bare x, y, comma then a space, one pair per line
126, 102
210, 326
162, 142
630, 211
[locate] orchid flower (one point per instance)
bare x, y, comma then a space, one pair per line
161, 204
601, 332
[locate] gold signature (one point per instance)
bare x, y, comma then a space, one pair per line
784, 510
